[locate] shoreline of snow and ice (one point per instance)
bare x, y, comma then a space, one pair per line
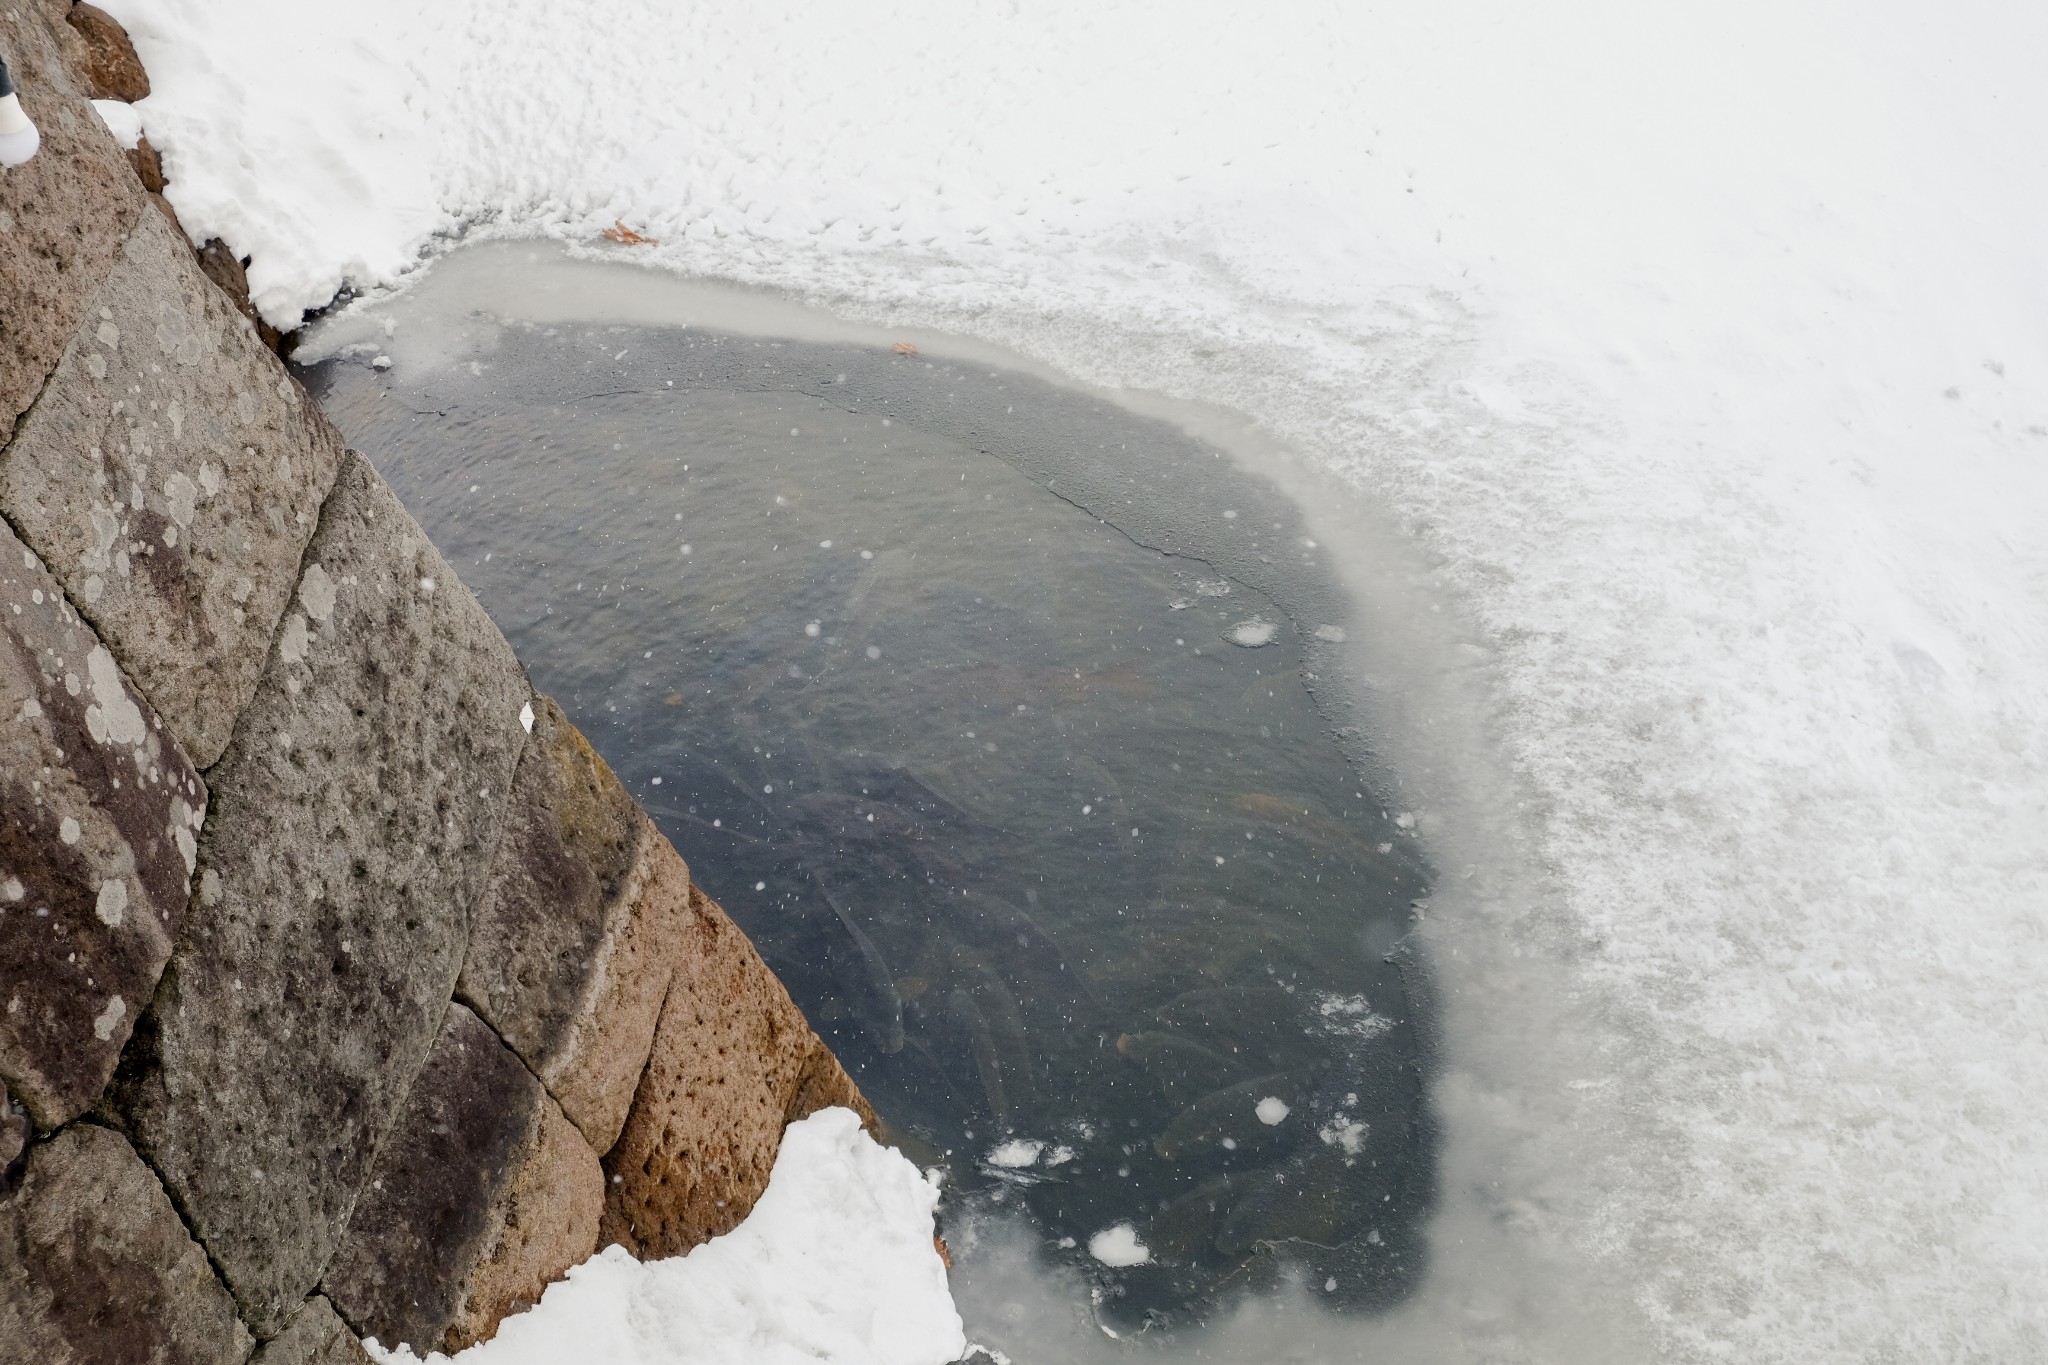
835, 1262
1696, 361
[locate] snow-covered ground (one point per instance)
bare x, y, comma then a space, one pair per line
835, 1263
1699, 354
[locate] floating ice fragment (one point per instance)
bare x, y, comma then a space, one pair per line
1015, 1154
1252, 634
1119, 1246
1272, 1109
1213, 587
1334, 634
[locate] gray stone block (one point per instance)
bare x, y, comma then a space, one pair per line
16, 1132
571, 945
63, 216
483, 1194
354, 814
95, 1266
317, 1336
171, 475
99, 823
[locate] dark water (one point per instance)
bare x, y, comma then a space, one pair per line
1042, 845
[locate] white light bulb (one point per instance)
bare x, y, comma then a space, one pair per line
18, 137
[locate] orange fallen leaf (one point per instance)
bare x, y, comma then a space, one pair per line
945, 1254
905, 348
625, 236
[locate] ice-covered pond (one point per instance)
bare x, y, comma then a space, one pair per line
1014, 726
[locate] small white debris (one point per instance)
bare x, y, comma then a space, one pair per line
526, 718
1272, 1109
874, 652
1119, 1246
812, 629
382, 362
1345, 1133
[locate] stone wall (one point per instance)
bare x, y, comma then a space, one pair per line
343, 989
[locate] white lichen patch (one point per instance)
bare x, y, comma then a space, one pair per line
108, 1019
114, 718
291, 641
181, 496
316, 592
112, 907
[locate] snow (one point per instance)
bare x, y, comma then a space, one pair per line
1693, 357
835, 1263
121, 120
1272, 1110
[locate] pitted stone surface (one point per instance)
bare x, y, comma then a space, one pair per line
317, 1336
570, 946
481, 1196
16, 1132
355, 813
99, 824
171, 476
108, 66
95, 1267
63, 216
733, 1064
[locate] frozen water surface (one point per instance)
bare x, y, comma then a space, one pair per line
943, 678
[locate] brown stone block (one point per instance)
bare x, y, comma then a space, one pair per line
171, 475
482, 1196
570, 945
96, 1268
99, 824
354, 816
63, 216
317, 1336
108, 65
733, 1062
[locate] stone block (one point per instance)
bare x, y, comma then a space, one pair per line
99, 823
63, 216
482, 1196
171, 476
354, 816
107, 66
16, 1132
570, 945
95, 1266
733, 1064
317, 1336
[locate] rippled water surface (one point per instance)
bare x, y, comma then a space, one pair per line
1002, 720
